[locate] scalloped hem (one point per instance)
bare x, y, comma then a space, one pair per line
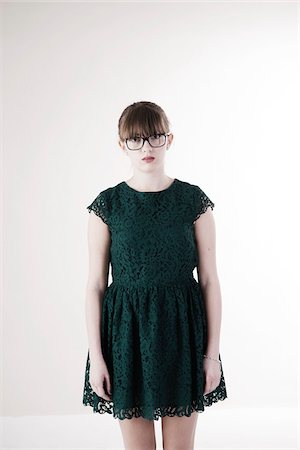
106, 406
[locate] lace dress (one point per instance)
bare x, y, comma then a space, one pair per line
153, 323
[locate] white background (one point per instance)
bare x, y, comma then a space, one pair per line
225, 74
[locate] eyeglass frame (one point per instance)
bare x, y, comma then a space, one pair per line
147, 139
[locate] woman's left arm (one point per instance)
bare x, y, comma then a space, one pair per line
205, 233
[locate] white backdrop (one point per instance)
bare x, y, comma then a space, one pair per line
225, 74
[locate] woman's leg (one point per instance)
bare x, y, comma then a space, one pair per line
138, 433
178, 433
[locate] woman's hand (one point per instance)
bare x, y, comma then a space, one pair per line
212, 371
98, 375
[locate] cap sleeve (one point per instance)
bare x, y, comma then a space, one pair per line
201, 203
100, 207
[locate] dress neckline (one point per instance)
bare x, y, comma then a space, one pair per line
150, 192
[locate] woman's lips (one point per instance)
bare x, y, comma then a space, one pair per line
148, 159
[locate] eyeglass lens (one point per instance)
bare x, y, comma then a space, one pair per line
136, 143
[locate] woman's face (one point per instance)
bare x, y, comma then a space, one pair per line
140, 158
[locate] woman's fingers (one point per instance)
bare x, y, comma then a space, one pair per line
211, 383
99, 379
99, 390
107, 379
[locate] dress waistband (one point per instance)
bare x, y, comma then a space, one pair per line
155, 284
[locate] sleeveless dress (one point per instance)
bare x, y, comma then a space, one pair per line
153, 322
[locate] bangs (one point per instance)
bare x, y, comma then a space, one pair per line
141, 122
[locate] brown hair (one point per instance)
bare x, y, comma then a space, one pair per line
143, 119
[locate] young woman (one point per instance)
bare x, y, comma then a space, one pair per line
154, 332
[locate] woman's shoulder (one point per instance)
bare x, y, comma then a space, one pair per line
102, 204
109, 191
196, 197
189, 187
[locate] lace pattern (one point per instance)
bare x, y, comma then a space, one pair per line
100, 207
101, 405
106, 406
202, 202
153, 322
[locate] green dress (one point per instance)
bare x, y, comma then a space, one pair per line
153, 322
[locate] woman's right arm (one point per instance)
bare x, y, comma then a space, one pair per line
99, 241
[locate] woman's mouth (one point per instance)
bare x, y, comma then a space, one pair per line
149, 159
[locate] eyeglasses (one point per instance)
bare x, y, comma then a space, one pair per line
136, 143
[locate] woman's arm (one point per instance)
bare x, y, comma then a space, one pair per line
98, 246
205, 233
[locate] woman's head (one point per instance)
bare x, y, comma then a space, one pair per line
148, 120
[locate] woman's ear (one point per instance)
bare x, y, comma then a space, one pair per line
122, 145
170, 139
